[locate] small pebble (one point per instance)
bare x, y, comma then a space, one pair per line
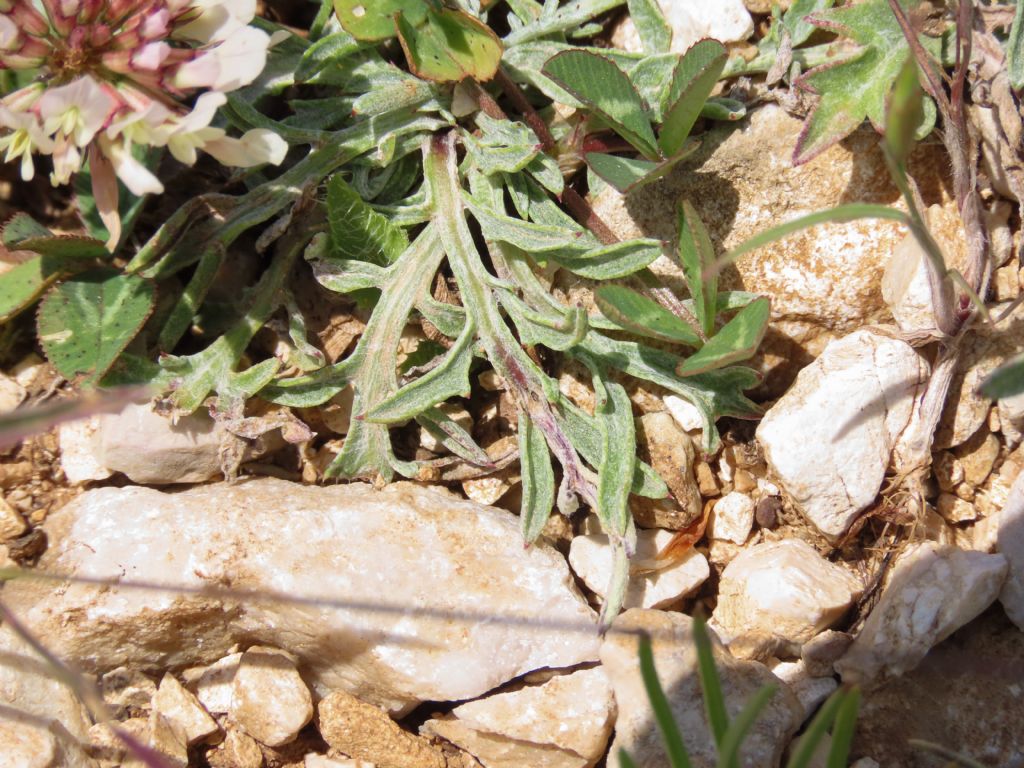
766, 513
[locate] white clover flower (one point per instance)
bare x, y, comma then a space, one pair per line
116, 74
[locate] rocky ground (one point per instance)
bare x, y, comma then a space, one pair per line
331, 626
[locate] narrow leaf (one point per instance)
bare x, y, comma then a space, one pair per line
628, 174
599, 83
697, 255
842, 731
729, 746
1015, 49
453, 436
807, 744
538, 479
618, 457
737, 341
85, 322
904, 112
638, 314
710, 685
692, 82
654, 31
839, 214
675, 748
610, 261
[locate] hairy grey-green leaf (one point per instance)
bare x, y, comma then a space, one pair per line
85, 322
642, 316
654, 31
357, 231
538, 479
736, 341
697, 257
608, 262
449, 379
692, 81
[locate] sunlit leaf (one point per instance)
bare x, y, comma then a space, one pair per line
538, 479
449, 46
857, 86
654, 31
374, 20
737, 341
599, 83
357, 231
697, 256
692, 81
643, 316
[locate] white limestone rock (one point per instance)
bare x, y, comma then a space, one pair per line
783, 588
143, 445
829, 439
810, 691
675, 657
592, 560
181, 709
564, 723
732, 518
685, 413
933, 591
905, 284
214, 685
1010, 543
422, 551
727, 21
269, 699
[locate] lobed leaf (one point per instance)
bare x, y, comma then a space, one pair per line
85, 322
357, 231
857, 87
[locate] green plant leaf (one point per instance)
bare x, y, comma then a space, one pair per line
599, 83
84, 323
357, 231
637, 314
374, 20
692, 82
1005, 381
857, 87
449, 379
904, 113
710, 685
737, 340
449, 46
627, 174
1015, 49
655, 33
807, 744
609, 262
538, 479
675, 748
452, 436
618, 456
842, 731
729, 745
697, 257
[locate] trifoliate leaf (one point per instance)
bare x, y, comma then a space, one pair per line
85, 322
857, 86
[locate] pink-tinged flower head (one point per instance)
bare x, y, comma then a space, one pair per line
121, 73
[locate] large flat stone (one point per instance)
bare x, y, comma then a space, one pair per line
433, 572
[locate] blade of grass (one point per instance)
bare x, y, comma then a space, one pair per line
815, 732
729, 746
842, 732
711, 686
674, 746
949, 754
837, 215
